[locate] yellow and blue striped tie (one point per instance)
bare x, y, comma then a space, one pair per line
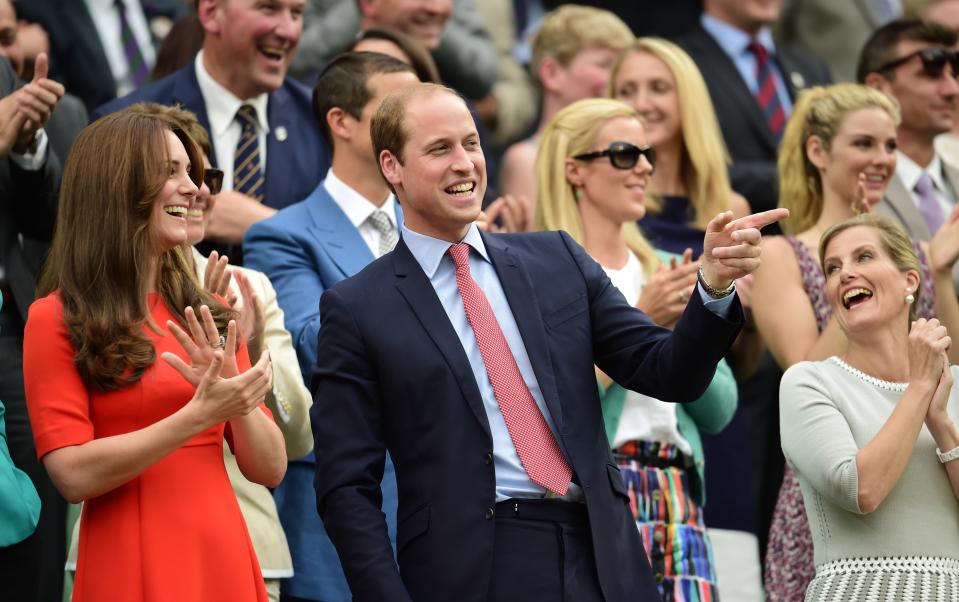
247, 171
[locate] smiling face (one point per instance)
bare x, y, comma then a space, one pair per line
645, 83
927, 102
864, 286
251, 42
168, 219
440, 179
616, 195
422, 19
865, 142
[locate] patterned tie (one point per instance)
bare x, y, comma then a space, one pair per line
388, 236
534, 442
247, 174
928, 203
138, 69
768, 96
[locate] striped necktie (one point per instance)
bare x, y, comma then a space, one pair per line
768, 93
247, 171
138, 69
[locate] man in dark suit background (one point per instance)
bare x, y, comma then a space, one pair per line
471, 359
734, 49
29, 178
264, 135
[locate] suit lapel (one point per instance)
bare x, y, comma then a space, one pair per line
792, 76
280, 142
186, 92
522, 300
900, 203
419, 293
336, 233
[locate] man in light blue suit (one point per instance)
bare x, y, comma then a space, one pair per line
347, 222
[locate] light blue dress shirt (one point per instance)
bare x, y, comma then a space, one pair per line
735, 43
512, 481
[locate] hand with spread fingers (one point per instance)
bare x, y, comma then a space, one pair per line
201, 345
252, 316
220, 399
512, 212
731, 247
217, 277
667, 291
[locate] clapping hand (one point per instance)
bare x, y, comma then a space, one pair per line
860, 203
252, 316
514, 213
666, 293
944, 246
201, 345
217, 277
731, 247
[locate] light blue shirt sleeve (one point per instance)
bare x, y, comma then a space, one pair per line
721, 306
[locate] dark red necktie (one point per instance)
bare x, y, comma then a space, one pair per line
768, 95
534, 442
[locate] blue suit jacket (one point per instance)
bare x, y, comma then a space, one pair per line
294, 166
305, 249
392, 374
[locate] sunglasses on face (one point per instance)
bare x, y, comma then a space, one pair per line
213, 178
934, 61
622, 155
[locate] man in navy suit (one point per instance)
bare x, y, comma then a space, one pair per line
348, 221
470, 357
238, 81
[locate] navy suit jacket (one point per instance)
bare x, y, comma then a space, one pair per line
294, 166
305, 249
392, 374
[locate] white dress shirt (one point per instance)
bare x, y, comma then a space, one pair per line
221, 108
909, 173
106, 19
358, 210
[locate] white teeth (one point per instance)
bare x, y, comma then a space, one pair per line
195, 212
460, 188
853, 293
272, 52
874, 178
176, 210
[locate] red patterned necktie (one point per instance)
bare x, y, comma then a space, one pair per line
534, 442
768, 95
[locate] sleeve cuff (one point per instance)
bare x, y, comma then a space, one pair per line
33, 161
721, 306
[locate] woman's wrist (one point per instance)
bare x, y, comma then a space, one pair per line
943, 431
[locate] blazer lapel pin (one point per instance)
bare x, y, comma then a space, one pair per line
281, 133
798, 81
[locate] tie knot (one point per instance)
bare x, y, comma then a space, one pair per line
759, 50
246, 115
460, 253
381, 221
925, 185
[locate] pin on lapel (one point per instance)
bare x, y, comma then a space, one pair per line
281, 134
799, 82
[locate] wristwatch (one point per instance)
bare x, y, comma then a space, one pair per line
715, 293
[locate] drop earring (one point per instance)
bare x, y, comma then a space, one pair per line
909, 297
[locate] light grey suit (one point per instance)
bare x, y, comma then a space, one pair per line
899, 205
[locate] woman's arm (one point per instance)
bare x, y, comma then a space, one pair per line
942, 251
942, 427
258, 447
783, 312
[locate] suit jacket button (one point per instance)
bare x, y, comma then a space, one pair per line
489, 514
489, 459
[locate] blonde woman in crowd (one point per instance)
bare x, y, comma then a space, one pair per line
871, 431
593, 169
134, 375
836, 159
572, 55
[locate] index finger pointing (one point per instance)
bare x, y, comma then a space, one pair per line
759, 220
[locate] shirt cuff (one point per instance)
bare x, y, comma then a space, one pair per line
720, 306
32, 161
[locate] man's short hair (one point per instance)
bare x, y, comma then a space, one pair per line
344, 82
388, 128
571, 29
881, 47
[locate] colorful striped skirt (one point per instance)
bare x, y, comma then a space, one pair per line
669, 520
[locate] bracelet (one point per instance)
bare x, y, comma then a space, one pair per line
715, 293
949, 456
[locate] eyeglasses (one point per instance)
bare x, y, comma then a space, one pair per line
213, 178
933, 59
622, 155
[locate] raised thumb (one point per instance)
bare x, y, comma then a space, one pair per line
40, 67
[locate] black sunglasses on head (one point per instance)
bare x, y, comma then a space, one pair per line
213, 178
622, 155
934, 61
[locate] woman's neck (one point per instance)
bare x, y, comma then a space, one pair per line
668, 179
881, 353
603, 238
835, 209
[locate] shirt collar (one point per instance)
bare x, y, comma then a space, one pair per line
909, 171
734, 41
429, 251
222, 105
356, 206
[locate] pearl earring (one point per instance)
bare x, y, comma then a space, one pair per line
909, 297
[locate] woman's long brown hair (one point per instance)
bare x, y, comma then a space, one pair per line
98, 262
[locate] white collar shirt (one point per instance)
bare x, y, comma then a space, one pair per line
358, 210
221, 108
106, 20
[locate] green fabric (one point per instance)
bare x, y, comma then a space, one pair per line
19, 502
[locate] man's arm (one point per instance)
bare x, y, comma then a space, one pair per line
32, 198
350, 448
298, 286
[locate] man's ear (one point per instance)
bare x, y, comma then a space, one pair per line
340, 122
207, 12
392, 169
879, 82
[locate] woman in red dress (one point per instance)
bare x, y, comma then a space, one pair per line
129, 416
